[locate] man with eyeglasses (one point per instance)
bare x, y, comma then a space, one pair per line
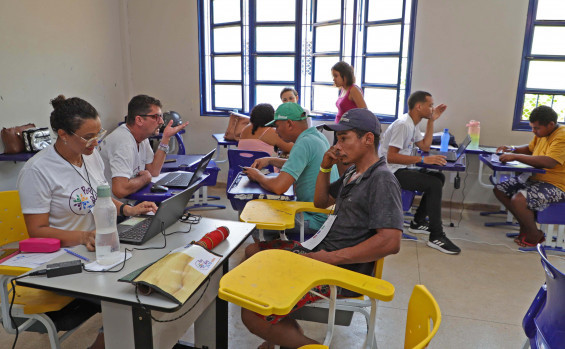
129, 161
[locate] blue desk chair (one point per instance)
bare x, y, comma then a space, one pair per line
244, 158
494, 180
552, 223
544, 323
407, 200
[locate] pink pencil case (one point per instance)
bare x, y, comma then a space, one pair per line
44, 245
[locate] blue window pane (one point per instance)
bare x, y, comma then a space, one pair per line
551, 10
276, 10
227, 39
268, 94
226, 11
275, 68
327, 38
323, 68
327, 10
385, 9
227, 68
275, 39
381, 101
383, 38
382, 70
546, 75
227, 96
324, 99
549, 41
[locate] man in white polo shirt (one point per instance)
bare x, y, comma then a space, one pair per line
129, 161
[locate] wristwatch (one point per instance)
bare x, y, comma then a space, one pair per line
164, 147
122, 208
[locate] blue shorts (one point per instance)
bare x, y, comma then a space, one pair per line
539, 195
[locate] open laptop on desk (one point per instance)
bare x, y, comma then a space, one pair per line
185, 179
137, 230
453, 155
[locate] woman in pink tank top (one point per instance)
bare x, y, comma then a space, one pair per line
350, 95
258, 137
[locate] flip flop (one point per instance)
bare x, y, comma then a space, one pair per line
524, 243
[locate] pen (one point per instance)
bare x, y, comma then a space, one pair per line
76, 255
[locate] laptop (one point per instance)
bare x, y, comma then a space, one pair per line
137, 230
453, 155
186, 179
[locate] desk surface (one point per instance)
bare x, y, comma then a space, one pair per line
105, 287
16, 157
499, 166
219, 137
243, 188
145, 194
185, 163
458, 166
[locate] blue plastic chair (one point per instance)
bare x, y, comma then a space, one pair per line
544, 323
407, 199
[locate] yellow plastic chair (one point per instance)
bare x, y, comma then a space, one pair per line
280, 215
360, 304
422, 308
272, 282
277, 215
29, 303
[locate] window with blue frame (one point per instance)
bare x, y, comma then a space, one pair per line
542, 75
251, 49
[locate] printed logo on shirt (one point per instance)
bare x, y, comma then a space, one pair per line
82, 200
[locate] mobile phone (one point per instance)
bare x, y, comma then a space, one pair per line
170, 160
241, 167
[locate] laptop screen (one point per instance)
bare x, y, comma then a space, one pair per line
201, 167
463, 146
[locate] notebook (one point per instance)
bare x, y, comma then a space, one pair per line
185, 179
137, 230
453, 155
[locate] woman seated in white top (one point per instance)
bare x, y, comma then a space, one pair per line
258, 137
58, 185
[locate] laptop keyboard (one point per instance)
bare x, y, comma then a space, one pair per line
137, 232
175, 180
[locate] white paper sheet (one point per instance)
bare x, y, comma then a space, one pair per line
94, 266
32, 260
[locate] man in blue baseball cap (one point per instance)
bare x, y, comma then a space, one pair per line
301, 167
366, 224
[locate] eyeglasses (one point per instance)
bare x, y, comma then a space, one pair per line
96, 139
154, 116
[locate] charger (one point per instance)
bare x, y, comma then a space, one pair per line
457, 181
64, 268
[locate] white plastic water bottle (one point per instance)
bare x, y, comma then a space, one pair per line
444, 140
107, 240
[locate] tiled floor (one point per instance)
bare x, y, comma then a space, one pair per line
483, 293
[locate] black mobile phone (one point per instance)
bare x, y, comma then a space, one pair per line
241, 167
170, 160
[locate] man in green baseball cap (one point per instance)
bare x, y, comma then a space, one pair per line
302, 166
288, 111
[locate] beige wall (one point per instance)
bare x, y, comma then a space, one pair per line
53, 47
467, 55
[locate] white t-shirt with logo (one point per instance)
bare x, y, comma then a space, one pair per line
49, 184
121, 155
402, 134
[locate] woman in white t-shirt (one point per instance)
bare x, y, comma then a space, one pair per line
58, 185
